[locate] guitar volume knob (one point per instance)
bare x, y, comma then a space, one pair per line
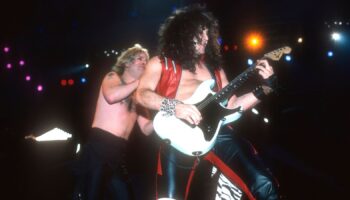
167, 141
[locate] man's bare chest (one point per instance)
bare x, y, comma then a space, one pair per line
190, 81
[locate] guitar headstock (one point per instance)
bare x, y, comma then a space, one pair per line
277, 54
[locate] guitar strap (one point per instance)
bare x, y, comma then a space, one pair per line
215, 74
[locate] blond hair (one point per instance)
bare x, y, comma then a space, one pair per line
128, 56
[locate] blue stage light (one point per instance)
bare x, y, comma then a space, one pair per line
288, 58
83, 80
330, 53
250, 61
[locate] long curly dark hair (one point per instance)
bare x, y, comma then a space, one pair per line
177, 33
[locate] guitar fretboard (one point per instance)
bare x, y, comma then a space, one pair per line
229, 89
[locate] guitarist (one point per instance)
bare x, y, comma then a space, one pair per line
189, 55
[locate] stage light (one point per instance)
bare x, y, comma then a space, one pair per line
254, 41
21, 63
87, 65
300, 40
28, 78
250, 61
330, 53
288, 58
39, 88
226, 48
266, 120
235, 47
255, 111
70, 82
63, 82
83, 80
336, 36
52, 135
6, 49
78, 148
219, 41
8, 65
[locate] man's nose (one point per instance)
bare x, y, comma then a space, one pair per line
205, 37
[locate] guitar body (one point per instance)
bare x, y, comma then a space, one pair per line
196, 140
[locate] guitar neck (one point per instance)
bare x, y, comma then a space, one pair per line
232, 86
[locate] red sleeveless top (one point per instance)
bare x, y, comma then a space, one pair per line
170, 78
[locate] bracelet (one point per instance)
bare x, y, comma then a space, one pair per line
270, 85
259, 93
271, 82
168, 106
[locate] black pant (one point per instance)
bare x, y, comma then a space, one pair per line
101, 171
176, 168
235, 152
242, 158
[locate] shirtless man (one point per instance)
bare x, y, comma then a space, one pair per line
103, 158
190, 54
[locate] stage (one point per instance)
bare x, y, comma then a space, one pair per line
65, 48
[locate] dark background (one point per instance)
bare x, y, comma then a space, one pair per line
304, 145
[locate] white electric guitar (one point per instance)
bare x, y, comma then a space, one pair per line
198, 140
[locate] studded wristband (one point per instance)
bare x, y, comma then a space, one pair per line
259, 93
168, 106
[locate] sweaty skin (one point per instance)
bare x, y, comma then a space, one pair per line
113, 112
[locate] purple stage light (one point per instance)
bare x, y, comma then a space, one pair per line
40, 88
6, 49
28, 78
21, 62
8, 65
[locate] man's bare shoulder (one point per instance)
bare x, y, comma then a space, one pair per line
154, 61
111, 78
154, 65
112, 74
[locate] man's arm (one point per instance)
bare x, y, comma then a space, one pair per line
249, 100
145, 93
113, 90
145, 125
